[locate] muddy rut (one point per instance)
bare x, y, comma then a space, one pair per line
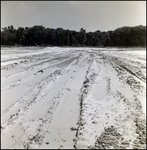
73, 98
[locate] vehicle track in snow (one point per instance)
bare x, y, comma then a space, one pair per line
73, 98
114, 130
37, 94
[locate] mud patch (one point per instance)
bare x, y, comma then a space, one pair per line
140, 142
110, 138
135, 85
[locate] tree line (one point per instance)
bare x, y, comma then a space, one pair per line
39, 35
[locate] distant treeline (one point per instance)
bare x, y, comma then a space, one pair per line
39, 35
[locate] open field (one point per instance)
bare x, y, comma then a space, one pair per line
73, 98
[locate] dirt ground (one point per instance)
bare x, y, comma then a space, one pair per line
76, 98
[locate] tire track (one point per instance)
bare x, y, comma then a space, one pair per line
39, 92
90, 79
131, 68
32, 67
77, 62
102, 124
36, 139
111, 112
37, 57
53, 107
32, 73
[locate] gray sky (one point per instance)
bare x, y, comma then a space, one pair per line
73, 15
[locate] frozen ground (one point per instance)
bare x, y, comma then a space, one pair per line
56, 98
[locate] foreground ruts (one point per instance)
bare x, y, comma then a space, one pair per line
73, 98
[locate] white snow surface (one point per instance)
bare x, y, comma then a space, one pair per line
73, 97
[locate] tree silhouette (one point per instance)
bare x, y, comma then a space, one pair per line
39, 35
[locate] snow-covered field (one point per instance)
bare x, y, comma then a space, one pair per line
81, 98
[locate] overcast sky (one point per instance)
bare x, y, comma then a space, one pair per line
73, 15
